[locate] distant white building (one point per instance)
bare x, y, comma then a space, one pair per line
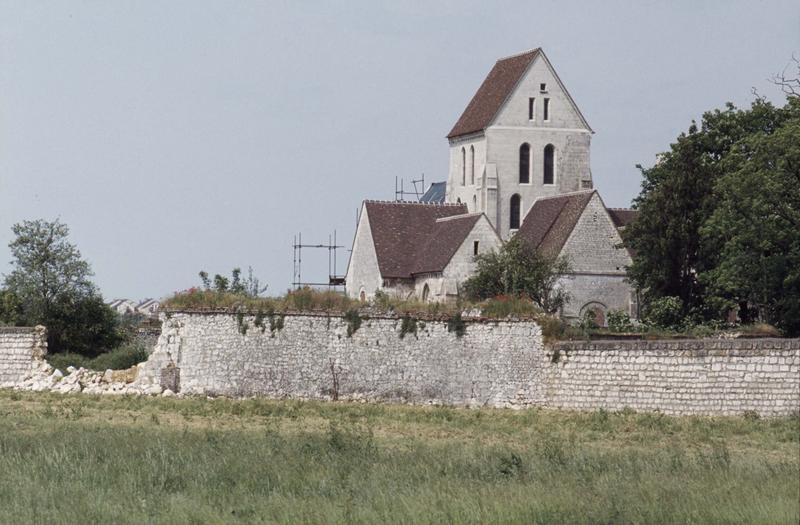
122, 306
148, 307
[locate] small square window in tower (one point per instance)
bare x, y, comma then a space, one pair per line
543, 87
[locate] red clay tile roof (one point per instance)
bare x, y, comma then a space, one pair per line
400, 229
549, 223
622, 216
494, 91
445, 238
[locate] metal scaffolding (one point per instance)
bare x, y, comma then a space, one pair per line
335, 281
418, 191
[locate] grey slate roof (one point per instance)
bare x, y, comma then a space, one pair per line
436, 193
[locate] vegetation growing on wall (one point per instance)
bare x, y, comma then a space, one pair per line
457, 325
353, 319
408, 325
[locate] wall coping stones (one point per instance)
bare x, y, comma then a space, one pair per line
467, 317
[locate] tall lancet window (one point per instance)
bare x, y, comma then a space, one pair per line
549, 154
525, 163
515, 212
463, 167
472, 164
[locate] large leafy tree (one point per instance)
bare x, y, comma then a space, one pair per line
755, 225
679, 195
519, 270
50, 284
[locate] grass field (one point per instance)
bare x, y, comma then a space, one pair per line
83, 459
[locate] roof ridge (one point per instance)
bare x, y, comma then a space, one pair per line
461, 216
621, 209
515, 55
414, 203
566, 194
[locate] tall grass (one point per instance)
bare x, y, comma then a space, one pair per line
133, 460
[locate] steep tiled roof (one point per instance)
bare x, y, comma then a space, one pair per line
445, 238
549, 223
622, 216
435, 193
399, 229
494, 91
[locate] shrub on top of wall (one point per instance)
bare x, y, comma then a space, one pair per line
504, 306
619, 321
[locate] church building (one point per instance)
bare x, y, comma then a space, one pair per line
519, 165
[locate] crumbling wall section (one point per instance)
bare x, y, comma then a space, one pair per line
20, 348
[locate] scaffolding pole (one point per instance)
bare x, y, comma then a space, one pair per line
334, 280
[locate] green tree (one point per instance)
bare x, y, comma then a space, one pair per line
10, 308
519, 270
50, 285
756, 225
679, 195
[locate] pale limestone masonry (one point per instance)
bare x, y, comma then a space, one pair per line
704, 377
495, 363
492, 364
19, 349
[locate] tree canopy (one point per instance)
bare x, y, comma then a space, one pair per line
717, 226
50, 285
519, 270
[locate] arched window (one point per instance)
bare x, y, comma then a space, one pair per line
426, 291
474, 203
362, 296
463, 167
549, 153
514, 210
525, 163
472, 165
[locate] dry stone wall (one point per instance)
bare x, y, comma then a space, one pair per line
19, 349
495, 363
709, 376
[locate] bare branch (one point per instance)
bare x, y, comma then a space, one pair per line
789, 84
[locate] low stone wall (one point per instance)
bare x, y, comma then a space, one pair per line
312, 356
708, 376
19, 349
495, 363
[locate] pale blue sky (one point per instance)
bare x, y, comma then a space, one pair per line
179, 136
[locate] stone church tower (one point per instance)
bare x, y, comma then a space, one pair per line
521, 137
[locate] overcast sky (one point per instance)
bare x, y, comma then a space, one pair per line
178, 136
